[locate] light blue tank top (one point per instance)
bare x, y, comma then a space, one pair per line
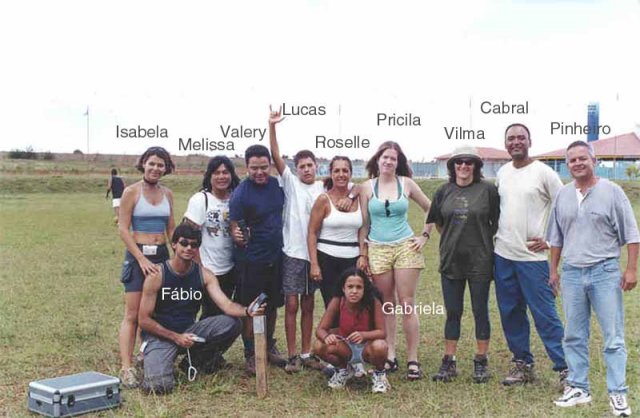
148, 218
388, 219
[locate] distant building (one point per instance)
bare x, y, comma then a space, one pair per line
493, 159
614, 155
593, 120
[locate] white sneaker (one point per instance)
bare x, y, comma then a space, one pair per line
573, 396
619, 405
380, 382
340, 378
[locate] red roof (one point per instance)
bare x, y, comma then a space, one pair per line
486, 153
620, 146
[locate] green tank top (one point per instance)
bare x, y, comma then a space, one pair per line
388, 219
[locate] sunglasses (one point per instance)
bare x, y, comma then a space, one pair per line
192, 244
465, 162
386, 208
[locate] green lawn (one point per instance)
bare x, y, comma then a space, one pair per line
61, 306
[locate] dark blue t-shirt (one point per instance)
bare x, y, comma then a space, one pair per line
261, 207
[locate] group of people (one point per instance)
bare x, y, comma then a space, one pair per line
290, 235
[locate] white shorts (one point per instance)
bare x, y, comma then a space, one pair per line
116, 203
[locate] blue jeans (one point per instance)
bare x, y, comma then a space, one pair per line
522, 284
596, 287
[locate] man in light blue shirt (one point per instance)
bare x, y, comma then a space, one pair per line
590, 220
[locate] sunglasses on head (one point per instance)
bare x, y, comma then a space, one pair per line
186, 243
465, 162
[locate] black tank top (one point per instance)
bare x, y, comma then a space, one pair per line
179, 298
117, 187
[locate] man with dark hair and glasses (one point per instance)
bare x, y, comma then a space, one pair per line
171, 299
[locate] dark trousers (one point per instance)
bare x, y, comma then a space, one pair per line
453, 292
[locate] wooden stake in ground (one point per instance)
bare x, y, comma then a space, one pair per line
260, 346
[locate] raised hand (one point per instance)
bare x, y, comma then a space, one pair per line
275, 116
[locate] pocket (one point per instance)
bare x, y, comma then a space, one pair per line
127, 271
611, 265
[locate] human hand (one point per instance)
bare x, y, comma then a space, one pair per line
416, 243
331, 339
344, 204
315, 273
275, 116
258, 312
537, 245
355, 337
239, 238
184, 340
554, 281
147, 266
629, 280
363, 264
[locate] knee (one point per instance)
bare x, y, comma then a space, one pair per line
291, 307
379, 348
454, 315
232, 326
407, 300
319, 348
308, 303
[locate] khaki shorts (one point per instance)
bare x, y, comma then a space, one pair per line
385, 257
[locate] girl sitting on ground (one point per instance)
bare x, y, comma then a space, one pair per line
357, 309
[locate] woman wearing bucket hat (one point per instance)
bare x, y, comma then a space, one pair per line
465, 211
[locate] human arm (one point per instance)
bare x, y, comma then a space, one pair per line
323, 332
318, 213
275, 117
127, 203
363, 232
222, 301
108, 188
418, 196
630, 275
344, 204
377, 333
554, 278
152, 285
171, 225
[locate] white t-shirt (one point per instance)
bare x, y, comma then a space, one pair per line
526, 195
299, 200
217, 245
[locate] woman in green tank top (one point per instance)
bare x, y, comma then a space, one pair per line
394, 255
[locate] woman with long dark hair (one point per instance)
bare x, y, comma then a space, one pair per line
208, 210
394, 255
332, 240
145, 224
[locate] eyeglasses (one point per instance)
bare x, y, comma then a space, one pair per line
386, 208
192, 244
465, 162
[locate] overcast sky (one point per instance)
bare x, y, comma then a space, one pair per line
191, 67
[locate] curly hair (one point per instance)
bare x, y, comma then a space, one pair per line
370, 292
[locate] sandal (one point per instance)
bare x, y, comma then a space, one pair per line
415, 373
391, 365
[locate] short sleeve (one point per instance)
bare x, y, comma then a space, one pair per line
435, 212
554, 233
626, 225
196, 209
236, 208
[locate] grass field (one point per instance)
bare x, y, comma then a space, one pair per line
61, 306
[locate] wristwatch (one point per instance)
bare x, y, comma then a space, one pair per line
351, 196
426, 235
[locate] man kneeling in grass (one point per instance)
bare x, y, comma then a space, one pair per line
170, 302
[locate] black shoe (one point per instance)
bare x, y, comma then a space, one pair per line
391, 366
448, 370
480, 369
